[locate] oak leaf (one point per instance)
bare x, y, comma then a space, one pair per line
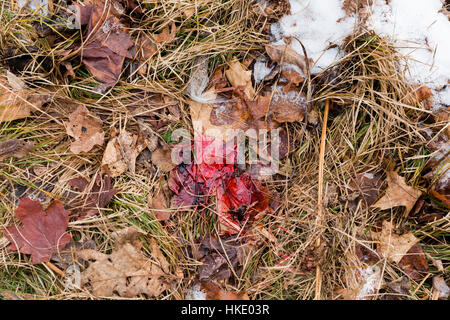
392, 246
126, 272
43, 234
398, 194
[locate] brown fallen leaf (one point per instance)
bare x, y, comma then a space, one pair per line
67, 257
126, 272
392, 246
147, 135
401, 286
398, 194
43, 234
14, 81
162, 158
425, 95
15, 148
107, 41
167, 35
414, 263
285, 53
240, 77
121, 153
364, 190
214, 292
93, 199
157, 202
18, 104
86, 129
293, 77
288, 106
221, 257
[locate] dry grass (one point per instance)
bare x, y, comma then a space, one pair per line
375, 123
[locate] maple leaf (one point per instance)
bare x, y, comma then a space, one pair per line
43, 233
398, 194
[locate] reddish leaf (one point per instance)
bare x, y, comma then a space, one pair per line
107, 42
42, 234
239, 198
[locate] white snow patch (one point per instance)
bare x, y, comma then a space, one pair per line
260, 70
421, 33
195, 293
417, 28
315, 24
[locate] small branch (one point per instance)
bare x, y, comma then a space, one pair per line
320, 196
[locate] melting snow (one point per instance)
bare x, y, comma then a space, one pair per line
418, 28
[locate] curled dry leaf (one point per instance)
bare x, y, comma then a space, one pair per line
126, 271
398, 194
441, 289
86, 129
157, 202
43, 234
92, 200
284, 53
392, 246
240, 77
121, 153
15, 148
